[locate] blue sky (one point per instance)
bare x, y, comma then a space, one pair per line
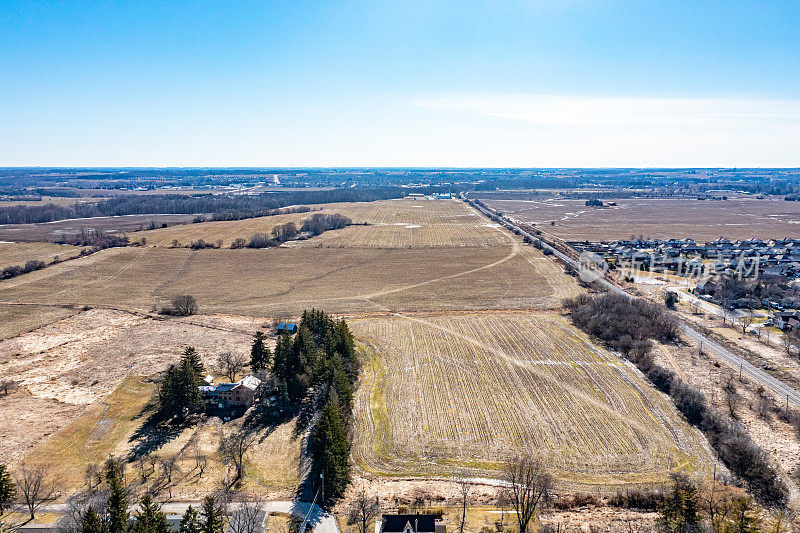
386, 83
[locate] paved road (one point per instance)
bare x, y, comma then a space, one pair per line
318, 519
732, 359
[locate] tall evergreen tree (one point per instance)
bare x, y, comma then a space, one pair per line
7, 488
191, 355
211, 516
91, 522
117, 498
190, 523
260, 354
331, 449
178, 394
150, 518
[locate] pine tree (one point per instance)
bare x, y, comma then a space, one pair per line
191, 355
331, 449
150, 518
743, 517
117, 498
259, 353
7, 488
190, 523
212, 517
179, 393
91, 522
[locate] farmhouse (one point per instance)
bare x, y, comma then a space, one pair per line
787, 320
231, 395
411, 523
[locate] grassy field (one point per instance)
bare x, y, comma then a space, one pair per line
113, 428
463, 392
702, 220
390, 224
18, 253
71, 365
18, 319
288, 280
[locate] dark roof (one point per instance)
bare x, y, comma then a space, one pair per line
394, 523
224, 387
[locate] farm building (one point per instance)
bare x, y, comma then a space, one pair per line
228, 395
410, 523
284, 327
787, 320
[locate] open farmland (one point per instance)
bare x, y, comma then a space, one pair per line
288, 280
55, 231
702, 220
18, 319
388, 224
444, 394
18, 253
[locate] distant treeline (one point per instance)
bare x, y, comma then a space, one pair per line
629, 326
525, 183
222, 207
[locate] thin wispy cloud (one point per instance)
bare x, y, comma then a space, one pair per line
552, 130
592, 111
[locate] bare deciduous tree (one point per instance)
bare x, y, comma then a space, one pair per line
35, 486
529, 488
184, 304
235, 448
363, 511
231, 364
464, 489
247, 517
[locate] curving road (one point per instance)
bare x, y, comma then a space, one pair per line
732, 359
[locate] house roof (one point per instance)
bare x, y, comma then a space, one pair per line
225, 387
286, 325
250, 382
395, 523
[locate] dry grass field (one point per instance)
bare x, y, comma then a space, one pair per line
390, 224
53, 231
702, 220
446, 394
111, 428
288, 280
18, 253
74, 363
18, 319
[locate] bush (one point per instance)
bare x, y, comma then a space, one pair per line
182, 305
319, 223
238, 243
262, 240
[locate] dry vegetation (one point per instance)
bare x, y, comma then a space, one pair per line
287, 280
65, 367
54, 231
702, 220
18, 319
18, 253
390, 224
464, 391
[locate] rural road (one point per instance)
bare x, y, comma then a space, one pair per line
318, 519
733, 360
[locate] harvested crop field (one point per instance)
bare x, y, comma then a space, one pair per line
18, 253
65, 367
702, 220
388, 224
442, 395
288, 280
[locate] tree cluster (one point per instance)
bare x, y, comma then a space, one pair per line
322, 356
16, 270
178, 394
320, 222
629, 326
